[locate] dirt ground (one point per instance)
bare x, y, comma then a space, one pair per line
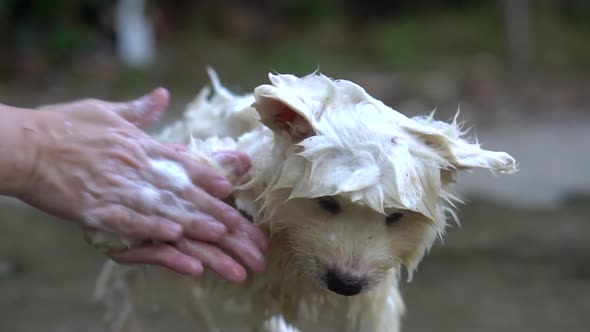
506, 269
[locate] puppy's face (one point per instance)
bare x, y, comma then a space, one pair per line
346, 247
356, 188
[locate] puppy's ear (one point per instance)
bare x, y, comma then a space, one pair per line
456, 151
282, 118
281, 110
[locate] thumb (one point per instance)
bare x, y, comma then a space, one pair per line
234, 164
145, 111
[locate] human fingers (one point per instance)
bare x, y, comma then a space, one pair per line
256, 235
234, 163
162, 191
177, 147
196, 225
161, 254
214, 258
212, 206
211, 178
242, 247
147, 200
142, 112
168, 175
172, 168
145, 111
121, 220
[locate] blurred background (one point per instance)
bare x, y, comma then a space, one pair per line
518, 69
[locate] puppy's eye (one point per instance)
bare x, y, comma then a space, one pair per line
393, 218
329, 204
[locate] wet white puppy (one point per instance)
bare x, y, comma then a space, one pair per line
349, 190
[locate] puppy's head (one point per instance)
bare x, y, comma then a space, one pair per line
360, 188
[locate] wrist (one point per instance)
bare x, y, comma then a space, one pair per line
19, 149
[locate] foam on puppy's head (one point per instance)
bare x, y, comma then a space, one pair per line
339, 140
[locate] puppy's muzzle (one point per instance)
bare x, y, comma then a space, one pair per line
344, 283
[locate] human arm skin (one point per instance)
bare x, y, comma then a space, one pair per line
16, 156
88, 162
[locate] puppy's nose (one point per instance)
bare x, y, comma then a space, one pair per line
344, 284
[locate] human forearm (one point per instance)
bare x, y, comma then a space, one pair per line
17, 148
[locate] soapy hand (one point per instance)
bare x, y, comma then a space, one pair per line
93, 165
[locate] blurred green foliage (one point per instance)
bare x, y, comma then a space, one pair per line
65, 41
58, 28
418, 41
300, 35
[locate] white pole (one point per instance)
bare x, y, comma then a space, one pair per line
135, 34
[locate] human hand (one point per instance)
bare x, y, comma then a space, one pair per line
95, 166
